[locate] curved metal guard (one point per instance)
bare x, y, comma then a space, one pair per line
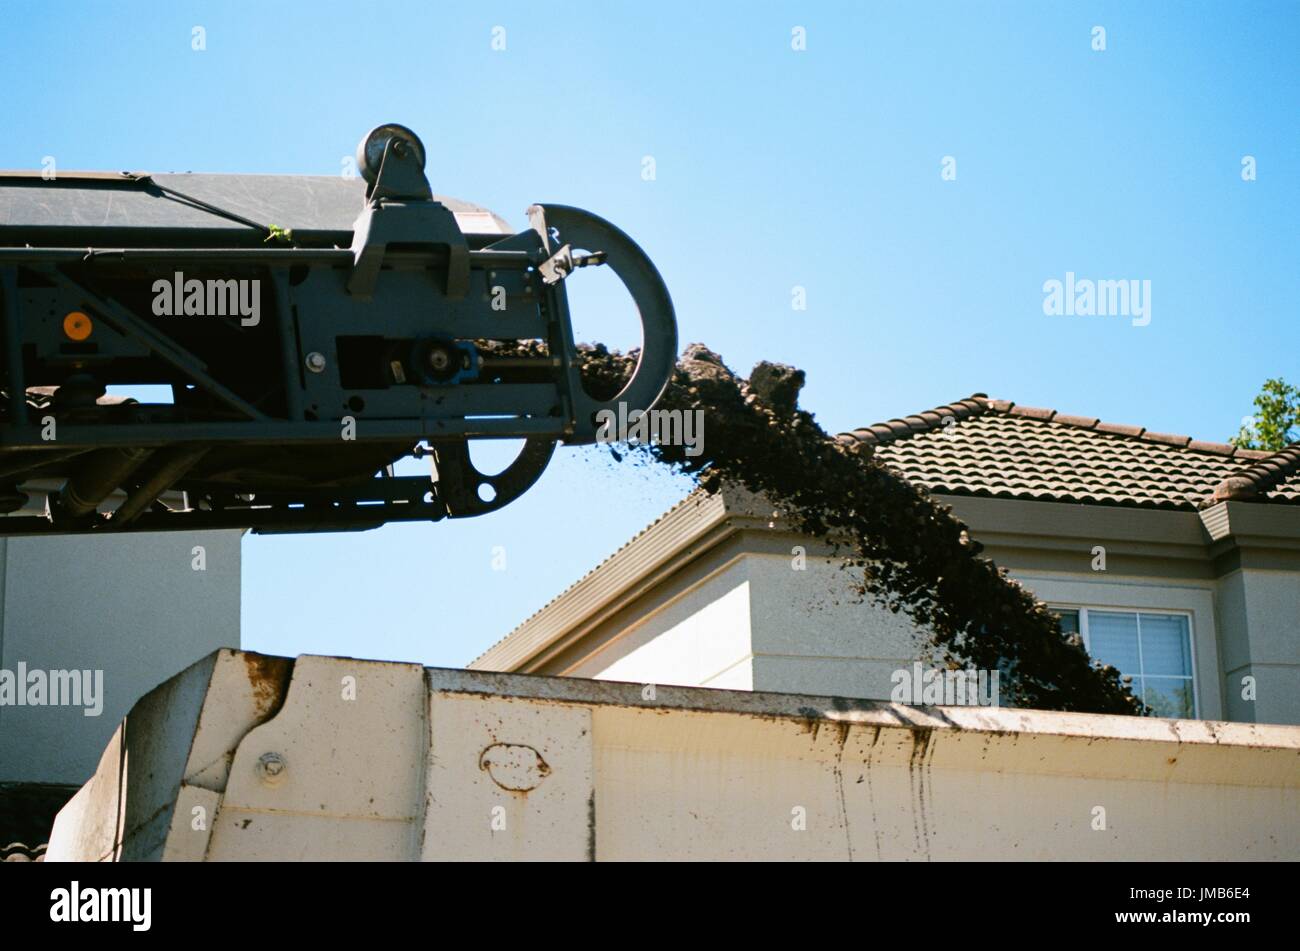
560, 225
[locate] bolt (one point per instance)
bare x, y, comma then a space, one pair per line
270, 768
316, 362
439, 359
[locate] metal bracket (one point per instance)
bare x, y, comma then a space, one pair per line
577, 228
459, 481
400, 210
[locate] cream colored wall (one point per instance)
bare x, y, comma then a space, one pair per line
700, 639
708, 786
448, 764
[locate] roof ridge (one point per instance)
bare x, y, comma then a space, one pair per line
979, 404
1254, 480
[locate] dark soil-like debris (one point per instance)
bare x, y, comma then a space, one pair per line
908, 551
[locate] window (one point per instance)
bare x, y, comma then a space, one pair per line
1155, 649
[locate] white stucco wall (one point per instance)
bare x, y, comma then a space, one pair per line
812, 634
701, 639
132, 606
761, 624
758, 624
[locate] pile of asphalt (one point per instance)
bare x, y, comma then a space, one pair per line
902, 547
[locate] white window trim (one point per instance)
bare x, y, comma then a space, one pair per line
1083, 609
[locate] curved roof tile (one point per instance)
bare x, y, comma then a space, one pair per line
999, 448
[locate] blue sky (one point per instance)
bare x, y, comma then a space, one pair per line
775, 168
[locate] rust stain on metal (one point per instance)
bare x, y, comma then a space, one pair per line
920, 743
515, 767
918, 775
269, 678
838, 770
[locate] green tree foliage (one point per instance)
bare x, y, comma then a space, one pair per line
1276, 421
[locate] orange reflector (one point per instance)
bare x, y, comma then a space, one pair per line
77, 326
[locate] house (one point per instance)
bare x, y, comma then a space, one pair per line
1176, 560
88, 625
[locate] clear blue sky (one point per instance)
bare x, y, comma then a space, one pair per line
775, 168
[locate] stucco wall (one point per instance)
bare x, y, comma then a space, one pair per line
133, 607
812, 633
759, 624
762, 624
1260, 619
699, 639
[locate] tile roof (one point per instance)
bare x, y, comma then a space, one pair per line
1000, 449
